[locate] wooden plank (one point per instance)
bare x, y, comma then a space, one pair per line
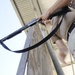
39, 62
22, 65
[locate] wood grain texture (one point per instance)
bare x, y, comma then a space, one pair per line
39, 62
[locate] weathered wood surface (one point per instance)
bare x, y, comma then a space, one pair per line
24, 57
39, 62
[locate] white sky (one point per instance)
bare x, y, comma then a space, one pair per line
8, 23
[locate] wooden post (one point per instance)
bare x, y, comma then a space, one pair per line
39, 62
24, 57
